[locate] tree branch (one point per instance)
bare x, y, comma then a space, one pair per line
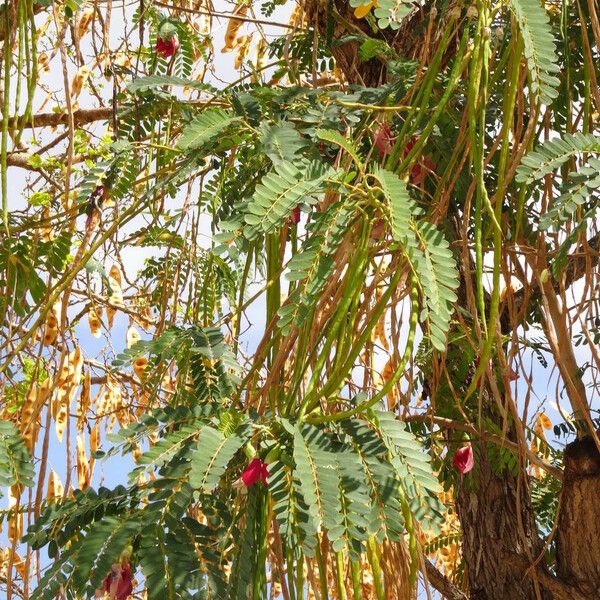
557, 587
21, 160
80, 117
442, 584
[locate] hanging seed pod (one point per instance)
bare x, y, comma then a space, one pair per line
84, 21
94, 320
43, 62
51, 326
139, 366
379, 333
66, 388
84, 474
83, 404
15, 521
28, 418
55, 487
60, 418
75, 370
46, 232
78, 81
242, 46
132, 337
386, 375
95, 440
116, 296
233, 27
259, 56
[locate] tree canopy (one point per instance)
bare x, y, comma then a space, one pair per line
300, 299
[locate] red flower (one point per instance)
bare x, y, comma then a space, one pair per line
422, 167
256, 470
118, 583
384, 140
295, 218
463, 459
168, 47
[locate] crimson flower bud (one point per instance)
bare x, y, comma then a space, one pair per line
168, 47
118, 584
295, 218
463, 459
256, 470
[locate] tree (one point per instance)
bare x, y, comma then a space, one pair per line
361, 260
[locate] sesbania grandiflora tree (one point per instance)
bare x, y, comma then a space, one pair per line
326, 295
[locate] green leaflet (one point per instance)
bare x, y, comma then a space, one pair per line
165, 449
436, 271
333, 487
278, 193
413, 468
554, 153
309, 473
200, 352
402, 207
281, 143
390, 13
243, 570
212, 455
200, 567
580, 187
538, 47
313, 264
296, 525
53, 579
205, 128
152, 82
158, 568
428, 254
16, 467
330, 135
385, 518
100, 549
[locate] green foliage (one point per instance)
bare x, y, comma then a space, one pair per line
213, 454
281, 143
580, 186
205, 128
153, 82
278, 193
313, 264
243, 570
390, 13
352, 485
554, 153
538, 43
413, 468
16, 467
203, 359
428, 254
385, 518
334, 137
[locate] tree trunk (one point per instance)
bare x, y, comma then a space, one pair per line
498, 523
578, 529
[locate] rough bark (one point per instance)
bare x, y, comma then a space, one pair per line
490, 508
578, 529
